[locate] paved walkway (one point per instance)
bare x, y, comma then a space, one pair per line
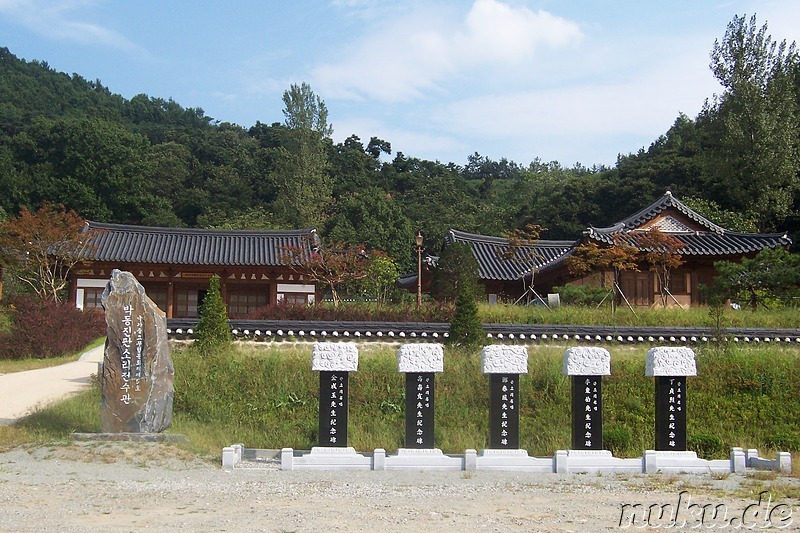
21, 393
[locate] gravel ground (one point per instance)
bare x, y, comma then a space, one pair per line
132, 486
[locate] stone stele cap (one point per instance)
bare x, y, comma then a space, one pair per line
420, 358
502, 359
334, 356
670, 361
587, 361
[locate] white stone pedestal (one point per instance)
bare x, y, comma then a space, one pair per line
687, 462
512, 460
423, 459
594, 461
325, 458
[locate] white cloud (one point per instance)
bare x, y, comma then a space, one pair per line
408, 56
59, 21
412, 143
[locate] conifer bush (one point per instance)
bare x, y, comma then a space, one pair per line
213, 332
466, 328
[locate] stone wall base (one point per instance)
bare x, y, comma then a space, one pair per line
563, 462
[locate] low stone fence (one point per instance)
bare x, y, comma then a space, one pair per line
401, 332
504, 364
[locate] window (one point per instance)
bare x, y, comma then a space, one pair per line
244, 299
677, 283
186, 303
157, 293
295, 298
91, 297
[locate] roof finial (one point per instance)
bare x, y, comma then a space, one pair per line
669, 192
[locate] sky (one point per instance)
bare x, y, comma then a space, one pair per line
577, 81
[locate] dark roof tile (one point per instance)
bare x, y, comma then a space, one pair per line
488, 251
179, 246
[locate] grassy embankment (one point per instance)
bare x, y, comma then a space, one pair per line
700, 316
266, 397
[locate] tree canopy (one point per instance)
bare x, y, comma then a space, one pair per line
149, 160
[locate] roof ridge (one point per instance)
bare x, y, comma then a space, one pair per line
192, 231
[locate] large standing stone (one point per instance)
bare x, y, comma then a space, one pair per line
137, 385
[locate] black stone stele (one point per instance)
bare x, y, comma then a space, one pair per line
587, 413
333, 408
504, 411
670, 413
419, 409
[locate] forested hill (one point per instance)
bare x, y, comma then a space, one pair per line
147, 160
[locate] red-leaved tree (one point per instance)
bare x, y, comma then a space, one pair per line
618, 257
662, 253
41, 248
332, 265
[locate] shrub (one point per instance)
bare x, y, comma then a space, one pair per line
44, 329
584, 295
213, 331
706, 445
617, 440
784, 441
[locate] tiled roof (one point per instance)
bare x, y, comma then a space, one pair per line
712, 240
488, 251
179, 246
656, 208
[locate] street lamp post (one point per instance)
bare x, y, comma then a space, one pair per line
419, 269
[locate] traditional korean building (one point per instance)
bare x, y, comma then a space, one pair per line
509, 279
175, 265
703, 243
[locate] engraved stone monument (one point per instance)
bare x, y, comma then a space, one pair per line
419, 362
504, 364
586, 365
137, 381
334, 361
670, 366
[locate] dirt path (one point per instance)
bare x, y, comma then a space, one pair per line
126, 487
23, 392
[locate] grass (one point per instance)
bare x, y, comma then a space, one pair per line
7, 366
267, 397
655, 316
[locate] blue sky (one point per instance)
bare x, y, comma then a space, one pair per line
570, 81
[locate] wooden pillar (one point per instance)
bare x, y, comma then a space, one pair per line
170, 296
72, 288
223, 287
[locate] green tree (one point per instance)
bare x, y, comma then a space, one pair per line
304, 187
752, 160
213, 332
772, 273
465, 327
457, 267
381, 277
732, 220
